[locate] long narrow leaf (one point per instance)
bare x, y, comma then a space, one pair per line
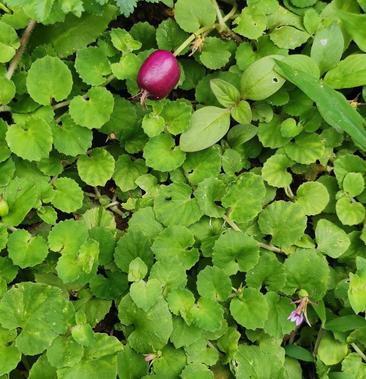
332, 105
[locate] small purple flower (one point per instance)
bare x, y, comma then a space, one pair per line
149, 357
296, 317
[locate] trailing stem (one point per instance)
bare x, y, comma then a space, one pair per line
23, 44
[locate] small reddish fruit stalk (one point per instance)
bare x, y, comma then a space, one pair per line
158, 75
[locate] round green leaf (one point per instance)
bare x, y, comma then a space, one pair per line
331, 351
207, 193
191, 15
49, 78
68, 196
35, 309
212, 283
169, 35
306, 148
207, 314
215, 53
228, 252
197, 371
127, 171
64, 352
353, 183
307, 269
313, 197
332, 240
161, 153
284, 221
350, 213
71, 139
9, 42
93, 112
92, 65
7, 90
97, 168
245, 197
274, 171
25, 250
250, 311
174, 205
31, 141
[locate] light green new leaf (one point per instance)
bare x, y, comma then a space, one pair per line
235, 251
68, 196
284, 221
161, 153
97, 168
71, 139
9, 42
127, 171
92, 65
25, 250
227, 94
94, 111
49, 78
123, 41
331, 351
313, 197
31, 141
274, 170
208, 126
146, 294
245, 197
177, 115
191, 15
250, 311
356, 292
332, 105
354, 183
7, 90
332, 240
349, 212
37, 310
174, 205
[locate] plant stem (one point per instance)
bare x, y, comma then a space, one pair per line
220, 19
112, 204
358, 351
289, 192
192, 37
4, 8
317, 342
5, 108
23, 44
117, 211
260, 244
12, 229
270, 247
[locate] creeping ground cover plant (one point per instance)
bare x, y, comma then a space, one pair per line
182, 189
